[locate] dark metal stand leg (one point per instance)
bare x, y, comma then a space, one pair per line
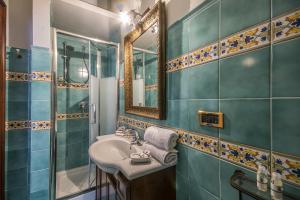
107, 188
240, 195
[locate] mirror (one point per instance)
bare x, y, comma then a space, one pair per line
145, 66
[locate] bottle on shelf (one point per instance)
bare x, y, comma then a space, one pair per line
262, 178
276, 186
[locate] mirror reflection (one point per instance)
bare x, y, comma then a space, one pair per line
145, 69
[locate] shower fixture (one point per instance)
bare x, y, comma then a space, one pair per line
68, 50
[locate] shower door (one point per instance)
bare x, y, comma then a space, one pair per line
85, 107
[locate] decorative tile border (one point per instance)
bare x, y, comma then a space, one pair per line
40, 125
151, 87
34, 76
243, 155
247, 156
178, 63
72, 85
65, 116
204, 55
246, 40
286, 26
288, 167
34, 125
17, 76
40, 76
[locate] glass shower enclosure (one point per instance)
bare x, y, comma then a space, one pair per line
84, 107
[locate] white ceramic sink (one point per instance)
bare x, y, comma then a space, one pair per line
109, 150
111, 154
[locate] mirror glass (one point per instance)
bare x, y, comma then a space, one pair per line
145, 69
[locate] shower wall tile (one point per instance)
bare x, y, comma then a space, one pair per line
285, 70
285, 123
177, 113
281, 6
16, 159
246, 122
181, 168
16, 111
40, 91
196, 192
206, 105
17, 194
203, 81
198, 26
39, 159
232, 11
177, 39
17, 60
16, 179
17, 139
246, 75
17, 91
40, 110
39, 180
40, 140
182, 187
40, 59
40, 195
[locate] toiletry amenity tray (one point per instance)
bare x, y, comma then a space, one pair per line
247, 186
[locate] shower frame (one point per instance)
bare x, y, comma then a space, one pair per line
54, 33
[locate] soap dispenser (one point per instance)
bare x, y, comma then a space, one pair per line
276, 186
262, 178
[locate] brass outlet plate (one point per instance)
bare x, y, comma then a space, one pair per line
211, 119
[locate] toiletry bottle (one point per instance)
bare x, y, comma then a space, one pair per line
262, 178
276, 186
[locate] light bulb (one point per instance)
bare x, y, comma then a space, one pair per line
125, 18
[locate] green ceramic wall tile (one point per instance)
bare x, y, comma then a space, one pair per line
200, 33
232, 11
17, 91
17, 111
40, 90
285, 79
196, 192
17, 62
16, 159
16, 179
292, 189
16, 139
178, 41
68, 99
246, 75
40, 195
40, 110
286, 138
39, 159
181, 167
246, 122
226, 171
282, 6
39, 180
204, 105
182, 187
17, 194
178, 87
203, 167
203, 81
40, 59
177, 114
40, 139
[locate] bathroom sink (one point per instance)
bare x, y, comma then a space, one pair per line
109, 151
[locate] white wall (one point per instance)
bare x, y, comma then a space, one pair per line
41, 23
20, 23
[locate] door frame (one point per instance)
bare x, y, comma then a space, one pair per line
2, 95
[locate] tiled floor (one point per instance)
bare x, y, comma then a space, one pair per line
73, 181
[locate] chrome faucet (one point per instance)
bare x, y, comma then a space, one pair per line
135, 138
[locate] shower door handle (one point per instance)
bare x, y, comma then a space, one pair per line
93, 117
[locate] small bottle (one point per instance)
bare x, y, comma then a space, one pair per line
276, 186
262, 178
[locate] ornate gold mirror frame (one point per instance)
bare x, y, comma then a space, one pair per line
153, 16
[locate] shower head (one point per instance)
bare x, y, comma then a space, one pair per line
70, 48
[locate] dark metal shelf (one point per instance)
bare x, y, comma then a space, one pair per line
247, 186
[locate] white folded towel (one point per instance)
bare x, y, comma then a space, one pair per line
162, 138
168, 158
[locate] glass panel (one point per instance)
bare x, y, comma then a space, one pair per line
72, 161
